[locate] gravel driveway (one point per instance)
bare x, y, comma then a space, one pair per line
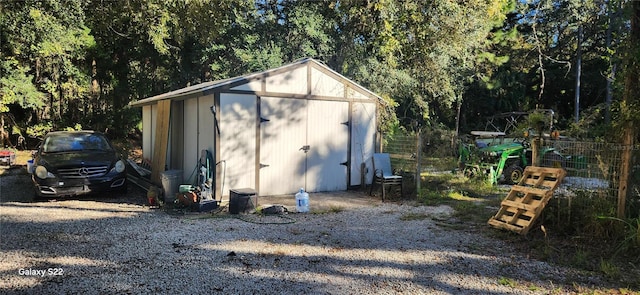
103, 245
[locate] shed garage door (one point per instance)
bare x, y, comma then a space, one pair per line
303, 143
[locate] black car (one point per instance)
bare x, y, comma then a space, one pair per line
77, 162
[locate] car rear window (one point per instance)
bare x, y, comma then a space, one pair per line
56, 143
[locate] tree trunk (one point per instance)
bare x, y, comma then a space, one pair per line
2, 131
630, 97
454, 140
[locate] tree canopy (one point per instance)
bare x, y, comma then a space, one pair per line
80, 62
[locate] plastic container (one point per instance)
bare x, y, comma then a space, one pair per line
302, 201
185, 188
30, 166
171, 180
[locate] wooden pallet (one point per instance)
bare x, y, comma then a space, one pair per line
524, 203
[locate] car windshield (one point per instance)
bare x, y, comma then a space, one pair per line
69, 142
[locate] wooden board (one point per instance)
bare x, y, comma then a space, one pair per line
161, 140
526, 200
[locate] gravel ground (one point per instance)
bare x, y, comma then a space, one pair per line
109, 245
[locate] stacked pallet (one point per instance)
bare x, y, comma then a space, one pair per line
526, 200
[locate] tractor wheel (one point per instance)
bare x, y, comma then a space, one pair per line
554, 160
513, 174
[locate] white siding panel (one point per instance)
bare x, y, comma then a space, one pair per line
147, 132
328, 139
324, 85
255, 85
238, 116
281, 140
294, 81
363, 138
191, 152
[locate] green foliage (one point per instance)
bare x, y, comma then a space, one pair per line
84, 61
470, 199
579, 214
16, 87
589, 216
539, 38
581, 259
592, 124
507, 282
44, 56
628, 235
39, 130
77, 127
429, 47
609, 269
539, 121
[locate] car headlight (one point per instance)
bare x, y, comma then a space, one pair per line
119, 166
42, 172
493, 154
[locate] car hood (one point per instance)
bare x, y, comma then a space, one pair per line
75, 159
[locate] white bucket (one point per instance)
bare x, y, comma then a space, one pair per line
30, 166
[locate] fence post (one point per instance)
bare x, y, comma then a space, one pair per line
535, 150
624, 169
630, 98
418, 160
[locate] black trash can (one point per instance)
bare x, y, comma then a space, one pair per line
242, 200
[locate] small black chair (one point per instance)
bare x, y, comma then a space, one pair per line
383, 175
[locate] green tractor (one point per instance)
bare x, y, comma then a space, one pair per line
501, 159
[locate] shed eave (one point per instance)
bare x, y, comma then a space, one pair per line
181, 93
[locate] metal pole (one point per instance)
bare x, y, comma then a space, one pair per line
578, 75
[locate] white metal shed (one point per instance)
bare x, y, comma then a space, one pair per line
301, 125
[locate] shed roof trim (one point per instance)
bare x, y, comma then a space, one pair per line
206, 86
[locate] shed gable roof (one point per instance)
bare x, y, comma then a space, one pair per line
244, 82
